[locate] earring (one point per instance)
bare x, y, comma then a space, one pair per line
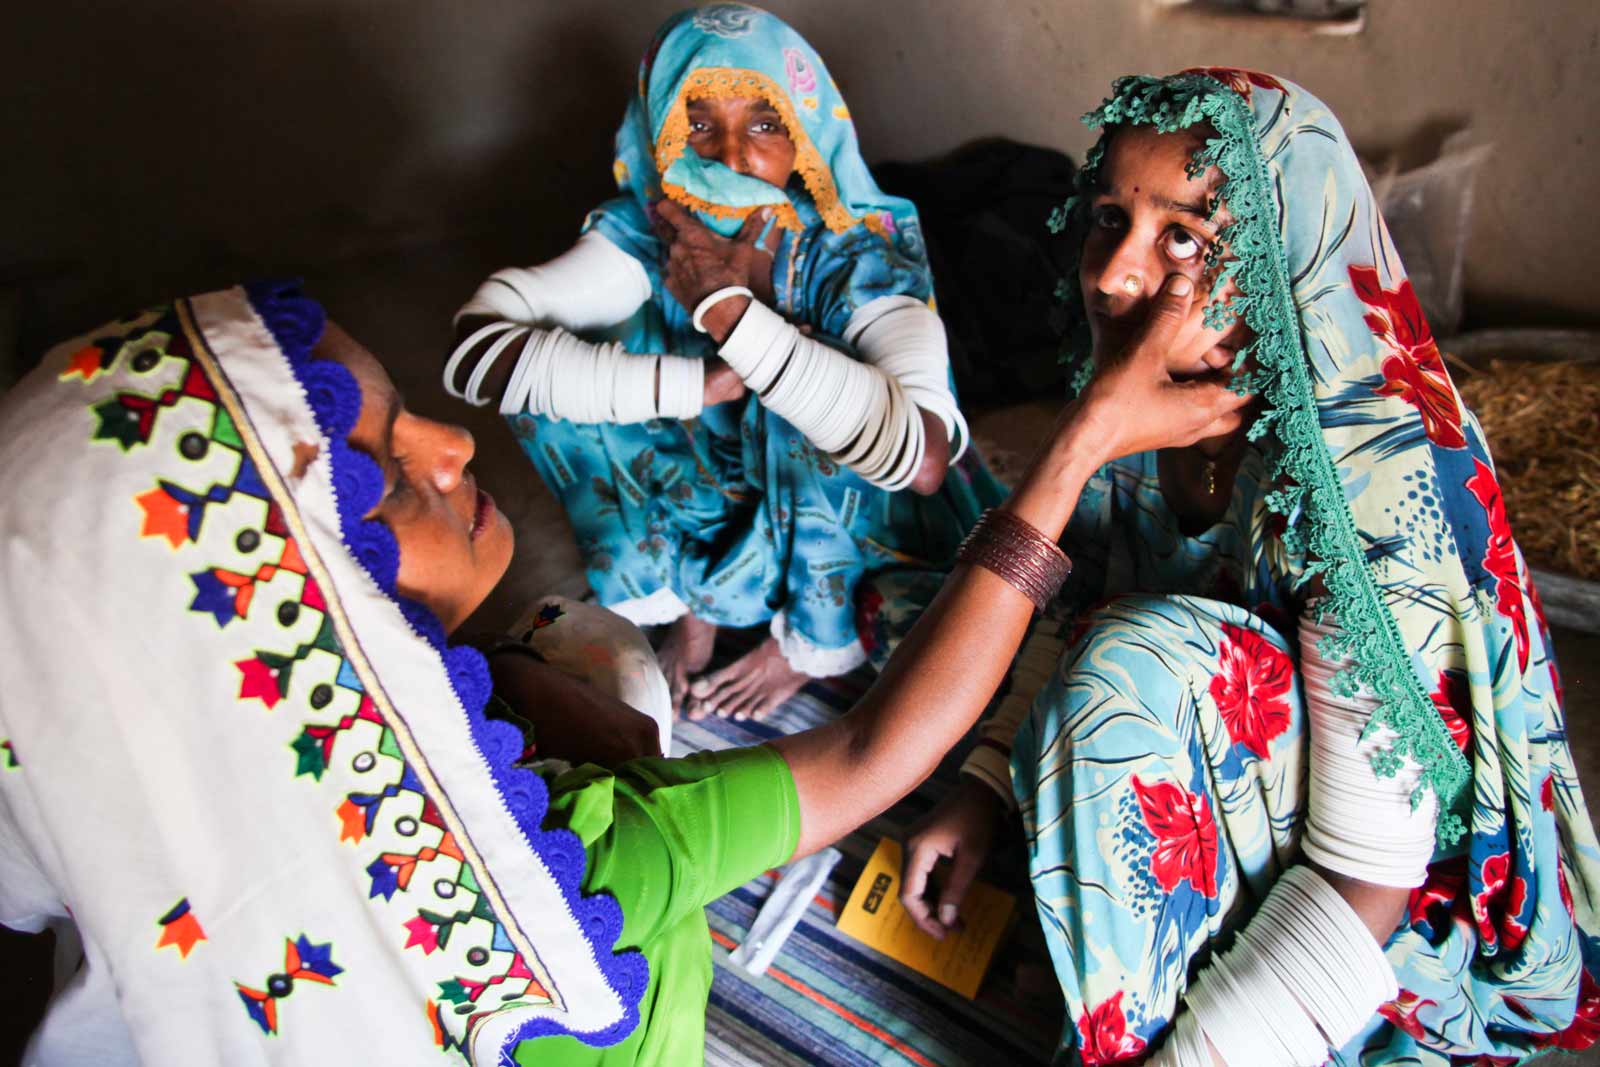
1131, 285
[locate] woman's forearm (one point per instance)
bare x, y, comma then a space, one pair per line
939, 680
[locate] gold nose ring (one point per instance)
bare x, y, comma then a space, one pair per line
1130, 284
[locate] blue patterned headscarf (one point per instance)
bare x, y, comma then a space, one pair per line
724, 50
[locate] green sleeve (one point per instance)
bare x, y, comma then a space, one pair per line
668, 836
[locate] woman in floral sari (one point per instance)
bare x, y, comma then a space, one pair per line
1317, 711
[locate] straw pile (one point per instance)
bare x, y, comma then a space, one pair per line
1543, 425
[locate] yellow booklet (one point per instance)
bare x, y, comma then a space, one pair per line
875, 917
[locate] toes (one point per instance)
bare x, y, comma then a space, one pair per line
767, 703
718, 687
747, 706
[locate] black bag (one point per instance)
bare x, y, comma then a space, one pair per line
995, 262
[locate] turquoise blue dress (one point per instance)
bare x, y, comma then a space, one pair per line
735, 513
1161, 776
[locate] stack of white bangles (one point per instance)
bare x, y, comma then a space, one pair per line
1305, 973
593, 284
1357, 824
1303, 976
864, 414
567, 377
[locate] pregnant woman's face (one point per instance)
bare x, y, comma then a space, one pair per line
454, 543
1148, 219
745, 134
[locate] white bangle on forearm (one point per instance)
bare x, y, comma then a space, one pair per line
1304, 975
1357, 824
904, 338
566, 377
682, 387
848, 409
453, 364
490, 356
594, 283
727, 292
1185, 1046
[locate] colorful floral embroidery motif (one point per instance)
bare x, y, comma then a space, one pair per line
343, 743
303, 961
548, 614
180, 929
8, 756
127, 418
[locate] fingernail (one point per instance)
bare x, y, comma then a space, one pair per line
948, 914
1179, 285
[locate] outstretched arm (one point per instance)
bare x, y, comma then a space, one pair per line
948, 668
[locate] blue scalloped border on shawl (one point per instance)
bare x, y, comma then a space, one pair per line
296, 322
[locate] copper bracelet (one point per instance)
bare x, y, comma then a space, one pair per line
1015, 550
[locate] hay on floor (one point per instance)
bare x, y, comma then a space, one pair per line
1543, 425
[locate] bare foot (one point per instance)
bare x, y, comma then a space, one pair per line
748, 688
685, 651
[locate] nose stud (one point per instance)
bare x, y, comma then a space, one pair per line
1131, 285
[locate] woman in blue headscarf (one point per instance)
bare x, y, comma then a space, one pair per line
736, 372
1293, 766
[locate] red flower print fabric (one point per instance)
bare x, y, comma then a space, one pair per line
1103, 1035
1402, 1011
1585, 1028
1185, 833
1415, 371
1500, 556
1432, 902
1251, 688
1239, 80
1497, 906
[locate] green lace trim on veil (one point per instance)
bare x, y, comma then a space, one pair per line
1309, 491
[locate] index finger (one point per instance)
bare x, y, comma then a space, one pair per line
918, 865
750, 231
681, 220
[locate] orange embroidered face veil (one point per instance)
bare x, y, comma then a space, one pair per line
746, 134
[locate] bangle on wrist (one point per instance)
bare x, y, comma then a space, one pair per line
481, 371
717, 297
453, 365
1017, 552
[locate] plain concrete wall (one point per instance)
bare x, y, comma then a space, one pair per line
163, 145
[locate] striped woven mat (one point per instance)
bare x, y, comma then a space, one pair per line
829, 1000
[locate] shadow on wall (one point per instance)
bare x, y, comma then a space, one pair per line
172, 147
